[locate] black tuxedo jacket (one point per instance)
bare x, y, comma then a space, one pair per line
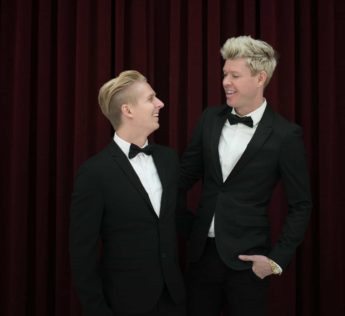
139, 254
240, 203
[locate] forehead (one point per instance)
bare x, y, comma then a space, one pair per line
238, 64
141, 89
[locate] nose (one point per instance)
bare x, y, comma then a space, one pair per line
159, 103
226, 81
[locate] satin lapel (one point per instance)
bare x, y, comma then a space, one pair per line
163, 176
121, 160
263, 130
216, 130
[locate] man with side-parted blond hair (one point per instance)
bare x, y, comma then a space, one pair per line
125, 197
114, 93
241, 150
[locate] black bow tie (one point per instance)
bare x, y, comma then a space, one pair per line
235, 119
134, 150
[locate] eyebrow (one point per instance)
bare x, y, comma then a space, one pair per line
151, 95
231, 71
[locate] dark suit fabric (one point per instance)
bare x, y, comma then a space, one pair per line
138, 255
212, 287
275, 152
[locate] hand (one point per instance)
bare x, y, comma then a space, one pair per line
260, 267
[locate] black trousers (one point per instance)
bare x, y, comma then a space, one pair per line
212, 288
164, 307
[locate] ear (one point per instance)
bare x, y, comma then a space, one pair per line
126, 110
262, 77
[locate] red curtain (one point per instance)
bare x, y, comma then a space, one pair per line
54, 56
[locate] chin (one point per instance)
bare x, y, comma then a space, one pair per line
154, 128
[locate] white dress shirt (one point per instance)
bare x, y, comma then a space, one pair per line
233, 142
146, 170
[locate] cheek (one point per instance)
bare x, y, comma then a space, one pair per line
248, 87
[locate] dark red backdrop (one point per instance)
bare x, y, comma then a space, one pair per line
55, 54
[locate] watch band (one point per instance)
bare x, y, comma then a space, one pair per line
276, 269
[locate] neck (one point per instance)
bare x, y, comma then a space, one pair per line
245, 110
132, 137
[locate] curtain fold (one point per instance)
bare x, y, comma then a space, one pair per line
55, 55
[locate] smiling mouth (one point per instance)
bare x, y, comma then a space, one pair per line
229, 93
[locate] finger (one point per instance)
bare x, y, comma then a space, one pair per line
246, 258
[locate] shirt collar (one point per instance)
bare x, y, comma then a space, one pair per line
124, 145
257, 114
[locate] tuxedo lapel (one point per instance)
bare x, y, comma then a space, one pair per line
161, 167
263, 130
217, 127
122, 161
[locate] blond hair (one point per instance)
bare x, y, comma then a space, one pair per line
115, 93
259, 55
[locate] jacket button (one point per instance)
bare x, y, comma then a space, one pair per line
163, 255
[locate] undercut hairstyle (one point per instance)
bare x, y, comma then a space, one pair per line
114, 93
259, 55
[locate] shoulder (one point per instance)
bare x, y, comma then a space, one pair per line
164, 151
97, 162
281, 124
166, 158
211, 113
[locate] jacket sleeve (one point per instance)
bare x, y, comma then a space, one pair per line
191, 171
85, 225
294, 174
192, 164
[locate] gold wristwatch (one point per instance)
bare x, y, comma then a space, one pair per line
276, 269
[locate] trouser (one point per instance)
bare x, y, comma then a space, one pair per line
212, 288
164, 307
